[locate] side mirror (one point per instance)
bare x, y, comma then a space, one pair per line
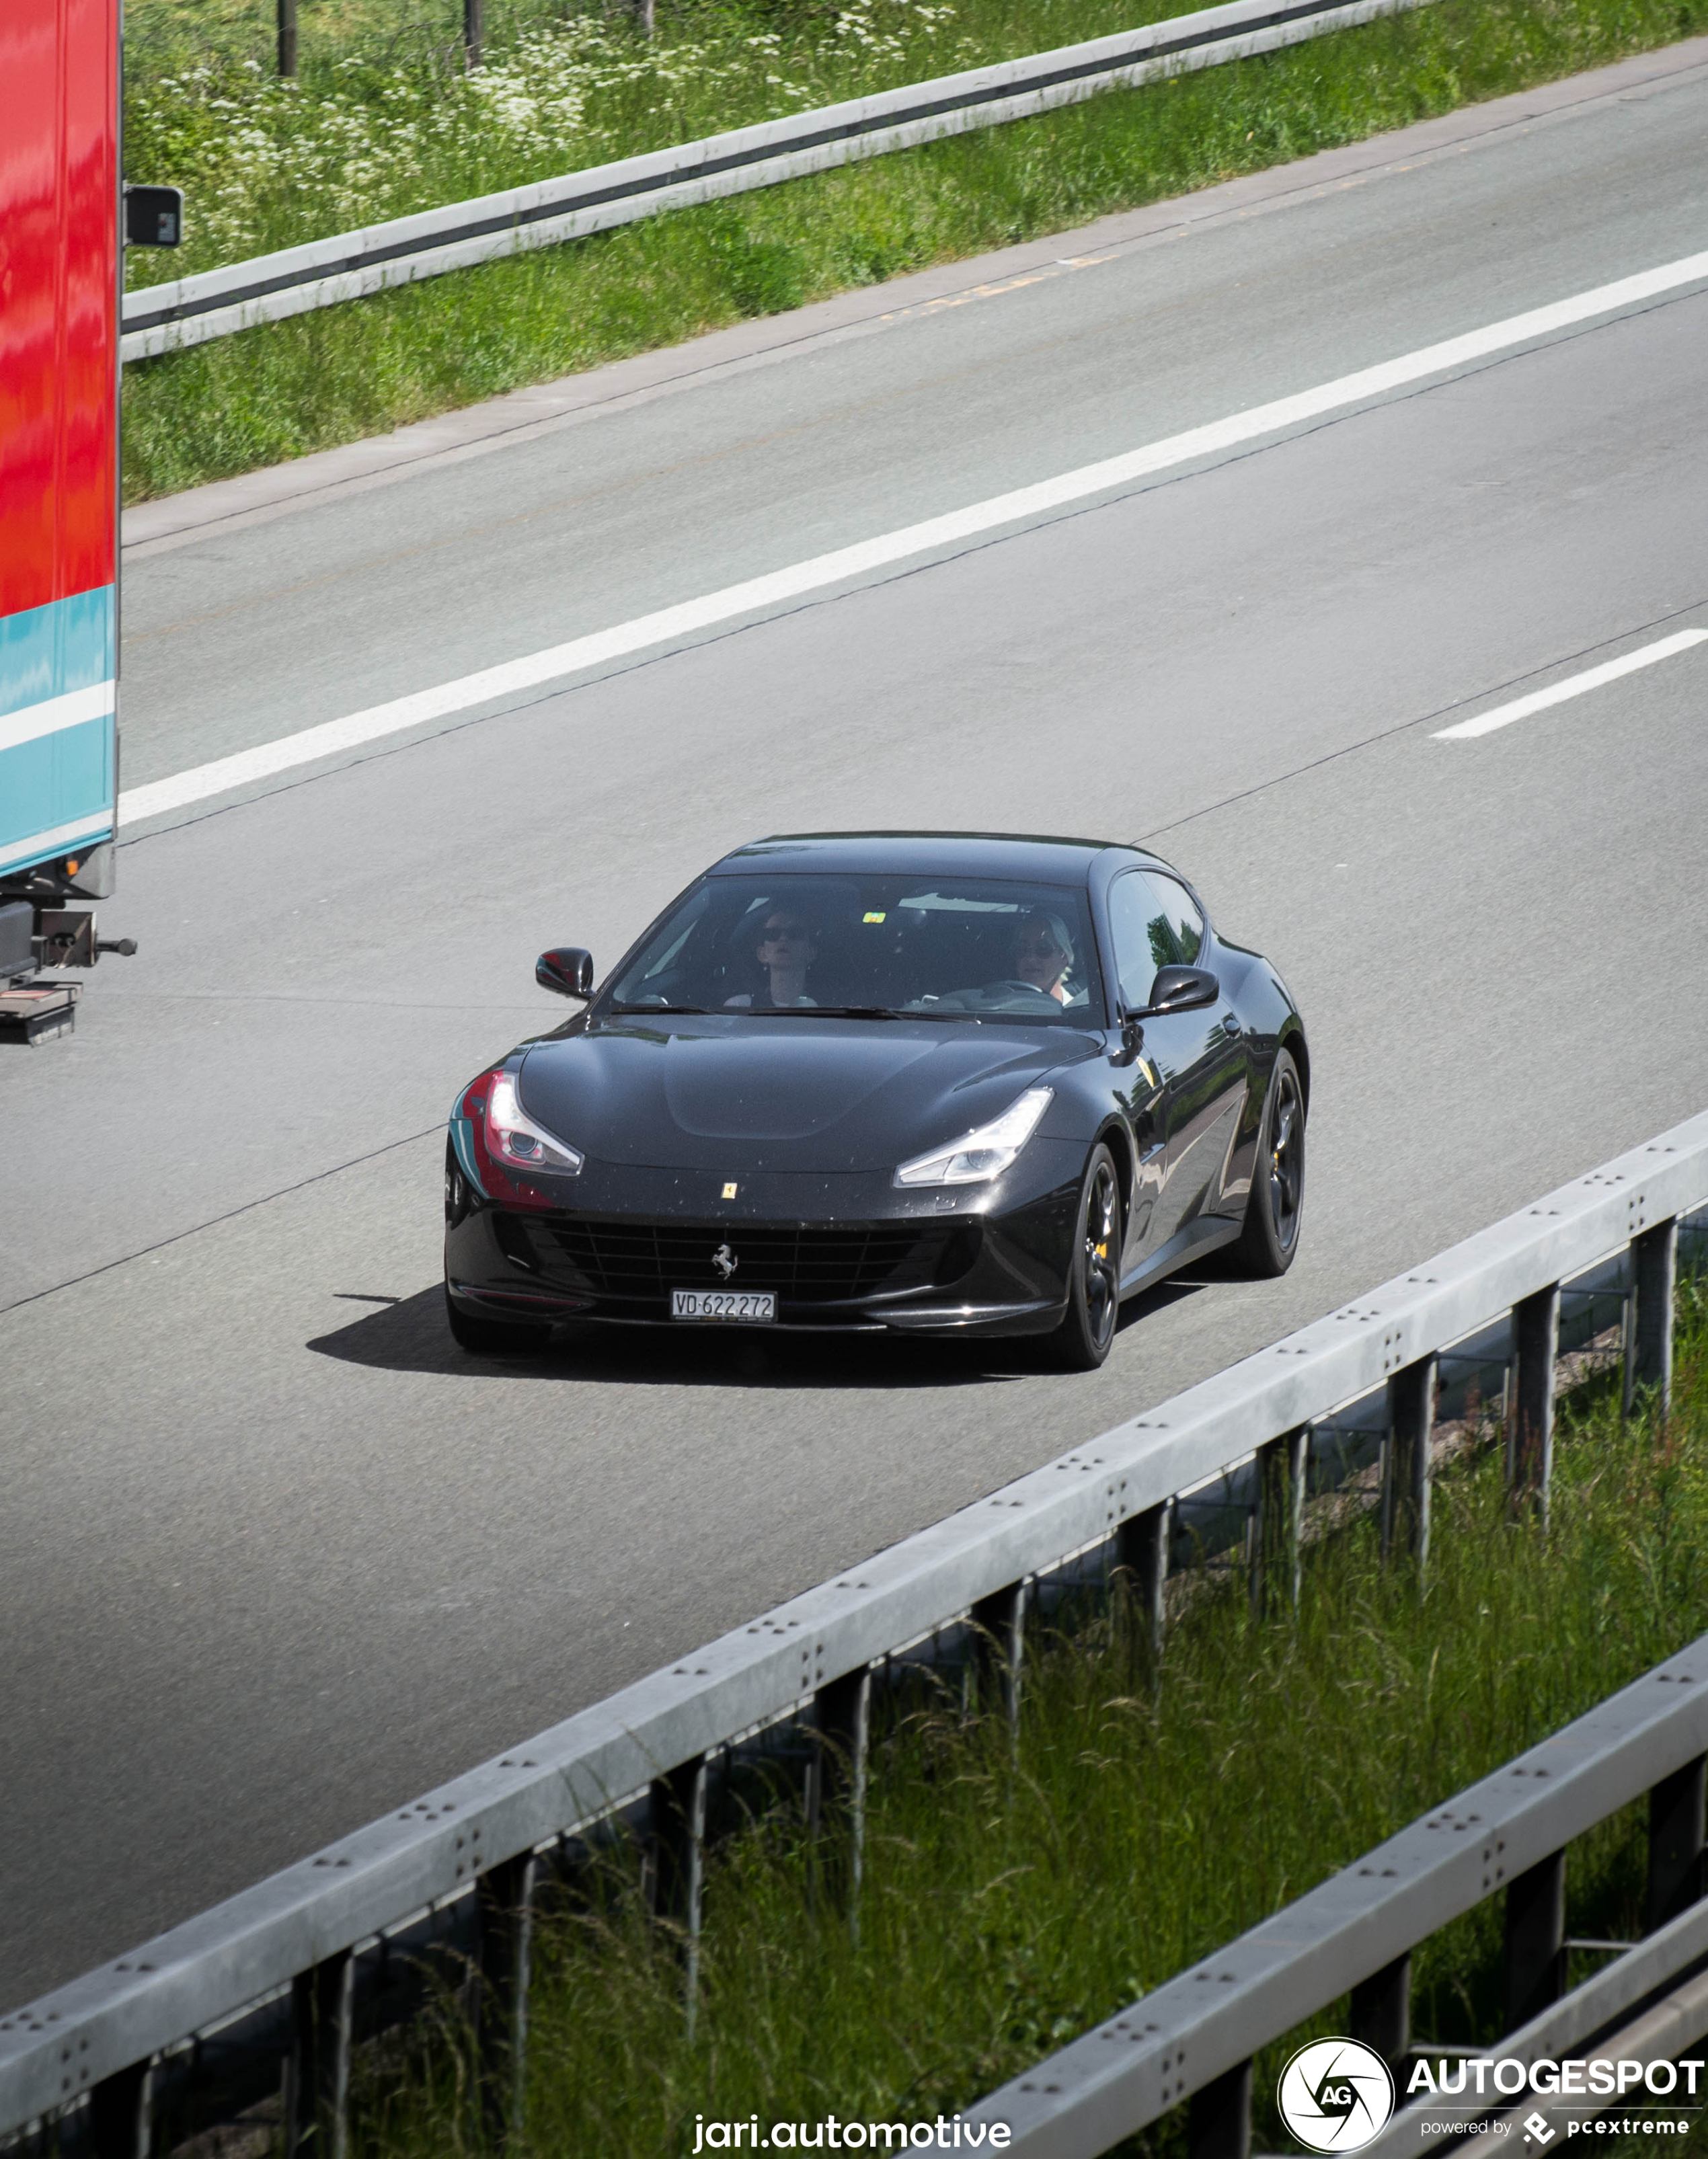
154, 217
567, 970
1179, 989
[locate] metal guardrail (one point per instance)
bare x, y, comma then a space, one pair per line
348, 266
1192, 2040
296, 1932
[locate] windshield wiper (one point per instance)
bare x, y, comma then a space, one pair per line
850, 1012
779, 1012
829, 1012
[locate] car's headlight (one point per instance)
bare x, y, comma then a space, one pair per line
514, 1139
984, 1153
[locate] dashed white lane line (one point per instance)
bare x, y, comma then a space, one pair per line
756, 594
1574, 685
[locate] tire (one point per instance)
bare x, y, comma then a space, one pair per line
1277, 1207
1082, 1341
492, 1338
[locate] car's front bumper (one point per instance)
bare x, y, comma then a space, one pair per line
841, 1252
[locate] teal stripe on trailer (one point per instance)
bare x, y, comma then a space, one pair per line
59, 745
55, 791
68, 644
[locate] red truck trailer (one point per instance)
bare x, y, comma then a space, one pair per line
62, 198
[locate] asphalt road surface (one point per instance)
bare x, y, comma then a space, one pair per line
274, 1556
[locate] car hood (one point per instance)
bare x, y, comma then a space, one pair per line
782, 1095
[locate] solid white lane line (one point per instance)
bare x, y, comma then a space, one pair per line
1574, 685
756, 594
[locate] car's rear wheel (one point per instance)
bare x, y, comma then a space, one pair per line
492, 1338
1081, 1343
1277, 1207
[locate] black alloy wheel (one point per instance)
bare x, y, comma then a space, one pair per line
492, 1338
1082, 1341
1277, 1207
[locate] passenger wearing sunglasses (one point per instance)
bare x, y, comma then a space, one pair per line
786, 949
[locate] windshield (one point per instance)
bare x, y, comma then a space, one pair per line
938, 948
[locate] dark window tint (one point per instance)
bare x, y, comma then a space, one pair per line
945, 948
1154, 924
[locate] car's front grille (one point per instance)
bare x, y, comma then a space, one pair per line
633, 1259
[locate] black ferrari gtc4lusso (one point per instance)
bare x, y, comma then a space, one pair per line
933, 1083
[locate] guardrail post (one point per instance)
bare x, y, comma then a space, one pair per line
1529, 1432
1411, 1394
1534, 1957
121, 2113
317, 2084
1649, 1333
506, 1895
675, 1862
1676, 1822
1280, 1525
1141, 1553
842, 1718
1219, 2116
1381, 2012
288, 37
999, 1647
474, 31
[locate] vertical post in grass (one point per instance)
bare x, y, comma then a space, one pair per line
505, 1943
1534, 1953
676, 1862
999, 1646
1648, 1329
1676, 1823
288, 37
121, 2113
474, 31
842, 1712
1411, 1396
1141, 1555
1381, 2012
1280, 1524
1219, 2116
317, 2080
1530, 1431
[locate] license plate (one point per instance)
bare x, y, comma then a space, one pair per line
737, 1304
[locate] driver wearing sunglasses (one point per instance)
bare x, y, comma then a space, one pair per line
1043, 954
787, 948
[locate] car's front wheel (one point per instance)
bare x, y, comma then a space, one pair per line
492, 1337
1082, 1341
1277, 1207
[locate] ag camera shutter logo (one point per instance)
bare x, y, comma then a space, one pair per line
1335, 2094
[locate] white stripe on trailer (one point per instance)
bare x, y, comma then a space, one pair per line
51, 715
56, 837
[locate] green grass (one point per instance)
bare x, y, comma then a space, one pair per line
285, 389
1016, 1895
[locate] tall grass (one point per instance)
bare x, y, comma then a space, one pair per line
1016, 1895
376, 131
